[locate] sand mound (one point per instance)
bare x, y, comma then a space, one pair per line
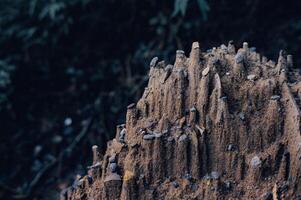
221, 124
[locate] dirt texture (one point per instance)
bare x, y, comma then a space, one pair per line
221, 124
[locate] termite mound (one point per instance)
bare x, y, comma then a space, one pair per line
221, 124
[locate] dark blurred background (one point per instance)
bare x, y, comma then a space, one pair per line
68, 69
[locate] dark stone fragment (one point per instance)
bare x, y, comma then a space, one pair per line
175, 184
154, 62
239, 58
90, 180
242, 116
231, 147
268, 196
215, 175
188, 177
149, 137
113, 167
132, 105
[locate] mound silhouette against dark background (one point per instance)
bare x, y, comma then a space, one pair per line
216, 125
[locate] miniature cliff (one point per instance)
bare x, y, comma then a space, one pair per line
221, 124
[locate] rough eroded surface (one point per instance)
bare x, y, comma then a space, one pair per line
224, 124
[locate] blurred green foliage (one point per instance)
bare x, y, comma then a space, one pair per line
5, 81
180, 6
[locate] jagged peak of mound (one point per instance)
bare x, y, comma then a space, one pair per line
215, 125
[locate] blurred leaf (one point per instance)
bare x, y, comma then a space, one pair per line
204, 8
51, 10
180, 6
32, 7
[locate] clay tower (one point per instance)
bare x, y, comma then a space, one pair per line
221, 124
